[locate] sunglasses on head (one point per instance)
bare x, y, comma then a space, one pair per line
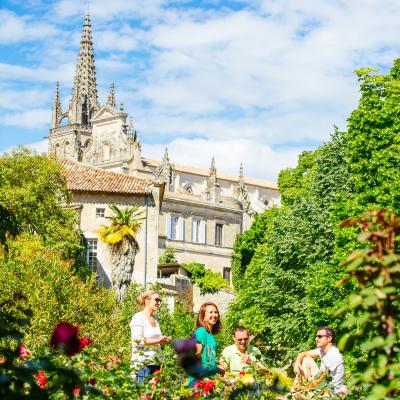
321, 336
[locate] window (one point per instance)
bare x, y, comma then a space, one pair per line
174, 227
100, 212
218, 234
91, 253
198, 231
227, 274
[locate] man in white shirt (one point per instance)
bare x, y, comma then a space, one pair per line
331, 361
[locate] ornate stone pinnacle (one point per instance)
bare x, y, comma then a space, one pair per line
84, 100
57, 101
212, 177
164, 170
111, 97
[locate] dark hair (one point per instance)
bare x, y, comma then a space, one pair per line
239, 328
329, 332
200, 318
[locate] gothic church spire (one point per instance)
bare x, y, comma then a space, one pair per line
84, 100
56, 111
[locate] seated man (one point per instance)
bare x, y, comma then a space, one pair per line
332, 363
241, 355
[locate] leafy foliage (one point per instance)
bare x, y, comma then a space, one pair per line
207, 280
32, 192
168, 257
375, 311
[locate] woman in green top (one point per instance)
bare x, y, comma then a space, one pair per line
208, 324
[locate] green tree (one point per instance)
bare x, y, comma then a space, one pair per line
34, 199
120, 235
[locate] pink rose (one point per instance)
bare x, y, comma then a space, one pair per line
24, 353
65, 338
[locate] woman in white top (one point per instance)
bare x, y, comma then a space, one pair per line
146, 336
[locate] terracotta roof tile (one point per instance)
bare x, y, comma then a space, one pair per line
220, 175
85, 178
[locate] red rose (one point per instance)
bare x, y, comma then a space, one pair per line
241, 373
65, 338
24, 352
196, 395
199, 385
76, 391
154, 380
91, 381
83, 342
41, 379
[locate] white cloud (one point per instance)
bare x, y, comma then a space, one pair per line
268, 73
35, 118
259, 160
14, 28
39, 147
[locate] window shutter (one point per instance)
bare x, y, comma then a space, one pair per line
169, 223
194, 224
180, 228
202, 233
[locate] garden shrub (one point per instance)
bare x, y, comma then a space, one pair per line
207, 280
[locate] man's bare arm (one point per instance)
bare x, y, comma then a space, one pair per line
300, 358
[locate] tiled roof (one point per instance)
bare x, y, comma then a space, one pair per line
85, 178
220, 175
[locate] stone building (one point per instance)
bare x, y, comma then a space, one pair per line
195, 211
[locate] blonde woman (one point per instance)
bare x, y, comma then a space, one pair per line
147, 338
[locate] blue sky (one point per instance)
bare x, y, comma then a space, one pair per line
245, 81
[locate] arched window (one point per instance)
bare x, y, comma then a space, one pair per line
57, 149
66, 147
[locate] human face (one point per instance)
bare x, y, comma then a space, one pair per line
322, 338
241, 339
211, 316
154, 302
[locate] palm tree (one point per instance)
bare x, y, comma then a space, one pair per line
120, 236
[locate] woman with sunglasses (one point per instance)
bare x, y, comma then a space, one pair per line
147, 338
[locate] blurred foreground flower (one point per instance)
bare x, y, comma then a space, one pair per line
65, 338
24, 353
41, 379
247, 379
188, 360
84, 342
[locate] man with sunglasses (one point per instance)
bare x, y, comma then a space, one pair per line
332, 362
241, 355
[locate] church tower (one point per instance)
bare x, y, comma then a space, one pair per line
71, 134
87, 132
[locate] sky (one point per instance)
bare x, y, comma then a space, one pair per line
254, 82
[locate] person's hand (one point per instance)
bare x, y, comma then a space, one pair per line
297, 369
246, 358
165, 339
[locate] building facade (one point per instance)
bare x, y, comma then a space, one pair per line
195, 211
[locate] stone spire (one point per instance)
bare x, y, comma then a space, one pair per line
56, 110
84, 100
241, 192
111, 97
163, 172
212, 177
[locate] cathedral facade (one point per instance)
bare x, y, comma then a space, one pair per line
197, 212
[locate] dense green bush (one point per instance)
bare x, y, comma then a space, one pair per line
285, 268
168, 257
207, 280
